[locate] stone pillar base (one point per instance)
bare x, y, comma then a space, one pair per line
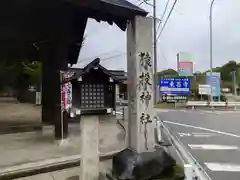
89, 126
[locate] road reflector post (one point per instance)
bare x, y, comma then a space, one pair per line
212, 107
158, 131
188, 170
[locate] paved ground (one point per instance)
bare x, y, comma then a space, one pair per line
66, 174
19, 117
19, 112
213, 138
23, 148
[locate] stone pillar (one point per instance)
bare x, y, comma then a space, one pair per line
89, 147
140, 84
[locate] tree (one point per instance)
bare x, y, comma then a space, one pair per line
9, 73
20, 68
34, 71
200, 77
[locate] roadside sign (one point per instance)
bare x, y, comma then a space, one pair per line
185, 68
184, 64
185, 56
204, 89
176, 85
214, 82
31, 88
174, 98
226, 90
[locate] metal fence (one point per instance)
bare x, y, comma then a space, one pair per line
120, 113
206, 104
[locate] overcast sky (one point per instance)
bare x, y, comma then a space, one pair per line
187, 30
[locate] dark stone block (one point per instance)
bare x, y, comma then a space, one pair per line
73, 178
130, 165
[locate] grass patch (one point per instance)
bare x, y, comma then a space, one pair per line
172, 173
164, 105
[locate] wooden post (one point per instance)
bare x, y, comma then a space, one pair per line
55, 59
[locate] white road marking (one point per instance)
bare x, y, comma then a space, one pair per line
184, 134
205, 129
182, 110
196, 134
203, 134
211, 147
220, 112
165, 110
223, 167
212, 112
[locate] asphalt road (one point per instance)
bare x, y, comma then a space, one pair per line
213, 138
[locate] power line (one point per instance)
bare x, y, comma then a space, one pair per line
164, 12
106, 58
167, 19
164, 56
144, 1
111, 57
99, 55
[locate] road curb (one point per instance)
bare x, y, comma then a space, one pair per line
14, 129
44, 166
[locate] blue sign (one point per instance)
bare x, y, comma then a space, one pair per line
215, 82
176, 85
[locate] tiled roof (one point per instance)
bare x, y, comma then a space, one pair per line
118, 74
125, 4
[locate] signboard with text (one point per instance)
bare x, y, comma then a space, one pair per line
185, 68
204, 89
174, 98
66, 92
215, 82
176, 85
185, 64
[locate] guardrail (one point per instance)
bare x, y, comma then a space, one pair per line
233, 104
195, 104
192, 168
122, 102
213, 104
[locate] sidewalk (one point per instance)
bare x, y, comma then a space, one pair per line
66, 174
23, 148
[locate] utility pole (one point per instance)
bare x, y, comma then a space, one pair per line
211, 56
155, 79
155, 52
234, 82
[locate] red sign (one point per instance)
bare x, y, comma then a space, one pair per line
185, 68
185, 64
66, 93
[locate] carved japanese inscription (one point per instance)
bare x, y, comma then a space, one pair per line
145, 91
